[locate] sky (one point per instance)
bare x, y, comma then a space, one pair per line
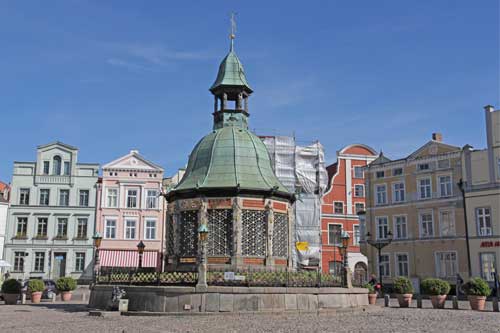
111, 76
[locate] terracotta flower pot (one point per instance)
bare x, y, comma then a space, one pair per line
36, 297
10, 299
404, 300
66, 296
372, 299
438, 301
477, 302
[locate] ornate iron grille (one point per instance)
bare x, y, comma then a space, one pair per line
170, 236
254, 233
188, 242
280, 235
220, 232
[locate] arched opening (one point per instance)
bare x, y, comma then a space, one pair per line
56, 165
360, 275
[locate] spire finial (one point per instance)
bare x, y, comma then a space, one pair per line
232, 36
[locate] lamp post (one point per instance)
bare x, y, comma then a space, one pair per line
344, 237
461, 186
202, 264
97, 243
379, 244
140, 249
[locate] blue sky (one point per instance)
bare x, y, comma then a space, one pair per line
109, 76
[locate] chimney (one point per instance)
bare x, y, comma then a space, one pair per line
489, 108
437, 137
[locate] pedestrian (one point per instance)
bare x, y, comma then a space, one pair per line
6, 275
374, 282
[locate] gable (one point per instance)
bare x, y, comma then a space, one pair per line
358, 149
433, 148
132, 161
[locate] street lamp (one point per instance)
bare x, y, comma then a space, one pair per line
379, 244
202, 265
97, 243
140, 249
344, 238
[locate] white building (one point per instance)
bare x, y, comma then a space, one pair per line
4, 206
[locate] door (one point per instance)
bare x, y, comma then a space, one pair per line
59, 264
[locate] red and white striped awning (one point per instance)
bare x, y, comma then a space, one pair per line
127, 258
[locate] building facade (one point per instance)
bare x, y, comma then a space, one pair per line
130, 210
481, 176
51, 216
4, 206
342, 201
417, 200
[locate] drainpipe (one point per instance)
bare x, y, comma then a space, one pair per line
462, 189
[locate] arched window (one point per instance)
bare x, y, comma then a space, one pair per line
56, 165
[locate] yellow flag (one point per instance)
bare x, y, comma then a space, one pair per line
302, 246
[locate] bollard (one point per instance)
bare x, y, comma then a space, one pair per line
84, 297
419, 301
53, 297
455, 302
23, 298
387, 299
494, 302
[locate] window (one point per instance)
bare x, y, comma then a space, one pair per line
131, 198
447, 223
44, 197
445, 186
151, 199
41, 228
397, 172
398, 192
46, 167
110, 229
150, 231
426, 225
64, 198
402, 264
84, 198
334, 231
79, 262
483, 221
382, 227
19, 261
424, 188
358, 172
488, 266
22, 226
39, 261
359, 207
56, 165
423, 167
446, 264
443, 164
81, 228
66, 168
400, 227
24, 196
112, 197
335, 268
380, 174
359, 191
338, 207
384, 265
381, 194
355, 240
130, 226
62, 228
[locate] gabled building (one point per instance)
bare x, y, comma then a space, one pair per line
51, 216
130, 210
344, 198
417, 199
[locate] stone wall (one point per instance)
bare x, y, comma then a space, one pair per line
232, 299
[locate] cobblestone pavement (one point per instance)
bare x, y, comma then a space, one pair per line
73, 317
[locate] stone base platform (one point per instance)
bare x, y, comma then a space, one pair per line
231, 299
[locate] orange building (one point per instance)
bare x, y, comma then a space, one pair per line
341, 202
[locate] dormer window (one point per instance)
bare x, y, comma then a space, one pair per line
380, 174
423, 167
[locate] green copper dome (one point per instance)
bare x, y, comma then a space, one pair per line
231, 73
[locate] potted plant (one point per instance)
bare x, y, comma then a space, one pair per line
11, 289
404, 291
36, 287
438, 290
477, 290
66, 285
372, 294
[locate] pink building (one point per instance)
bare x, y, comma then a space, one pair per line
130, 209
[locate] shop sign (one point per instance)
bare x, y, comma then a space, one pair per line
490, 244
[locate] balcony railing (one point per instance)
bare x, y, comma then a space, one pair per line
52, 179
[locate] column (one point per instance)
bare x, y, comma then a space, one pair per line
270, 225
237, 259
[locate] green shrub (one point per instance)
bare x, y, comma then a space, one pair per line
371, 288
11, 286
66, 284
36, 285
402, 285
477, 287
435, 287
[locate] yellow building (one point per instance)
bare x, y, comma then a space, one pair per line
481, 170
418, 201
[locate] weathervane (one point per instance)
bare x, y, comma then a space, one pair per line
232, 36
